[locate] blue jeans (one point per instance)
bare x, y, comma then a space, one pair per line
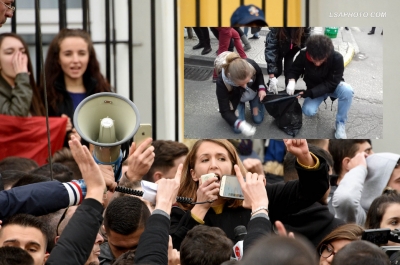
246, 30
344, 94
254, 103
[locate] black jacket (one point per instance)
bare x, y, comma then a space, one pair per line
224, 96
276, 49
285, 199
319, 80
76, 241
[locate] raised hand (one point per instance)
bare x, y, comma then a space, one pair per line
167, 190
140, 160
255, 194
91, 172
299, 148
20, 63
358, 159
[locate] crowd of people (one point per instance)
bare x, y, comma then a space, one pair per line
69, 212
330, 193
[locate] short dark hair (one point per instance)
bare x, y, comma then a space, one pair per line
319, 46
60, 172
342, 148
289, 162
10, 177
361, 252
205, 245
278, 250
165, 154
64, 156
27, 220
125, 259
124, 215
18, 163
30, 178
378, 208
15, 256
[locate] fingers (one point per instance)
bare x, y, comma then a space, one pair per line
281, 228
144, 145
132, 148
239, 176
178, 174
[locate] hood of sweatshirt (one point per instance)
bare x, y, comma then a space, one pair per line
380, 167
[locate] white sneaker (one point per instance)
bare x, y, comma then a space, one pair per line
340, 131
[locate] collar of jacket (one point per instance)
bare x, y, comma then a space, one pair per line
88, 82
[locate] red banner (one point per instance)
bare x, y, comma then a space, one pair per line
27, 137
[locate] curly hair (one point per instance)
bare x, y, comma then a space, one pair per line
319, 47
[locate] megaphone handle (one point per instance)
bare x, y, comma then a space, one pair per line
140, 194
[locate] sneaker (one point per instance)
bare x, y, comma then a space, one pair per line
340, 131
254, 37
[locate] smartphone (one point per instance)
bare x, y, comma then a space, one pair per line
230, 187
204, 178
377, 236
144, 132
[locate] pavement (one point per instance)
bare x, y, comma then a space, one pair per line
365, 116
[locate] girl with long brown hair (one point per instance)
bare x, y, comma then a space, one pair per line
19, 95
72, 73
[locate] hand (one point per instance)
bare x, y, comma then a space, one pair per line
282, 230
247, 129
358, 159
290, 87
75, 133
273, 85
20, 63
299, 148
255, 194
306, 94
140, 160
174, 257
69, 123
262, 94
254, 165
108, 175
91, 172
208, 191
167, 191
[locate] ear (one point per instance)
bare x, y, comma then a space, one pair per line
56, 239
104, 229
46, 256
157, 176
193, 174
345, 163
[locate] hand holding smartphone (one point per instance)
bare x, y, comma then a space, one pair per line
144, 132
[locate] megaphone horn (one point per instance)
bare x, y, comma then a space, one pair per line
107, 120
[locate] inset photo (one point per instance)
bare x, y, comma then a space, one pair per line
280, 82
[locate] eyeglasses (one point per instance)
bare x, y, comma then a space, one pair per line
326, 251
10, 7
61, 219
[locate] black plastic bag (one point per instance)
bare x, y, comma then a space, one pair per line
286, 110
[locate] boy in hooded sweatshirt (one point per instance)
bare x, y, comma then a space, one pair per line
365, 182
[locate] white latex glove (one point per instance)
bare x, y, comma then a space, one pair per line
247, 129
273, 85
290, 87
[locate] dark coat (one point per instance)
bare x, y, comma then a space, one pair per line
319, 80
285, 199
276, 49
224, 96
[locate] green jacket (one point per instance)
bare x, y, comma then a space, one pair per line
16, 101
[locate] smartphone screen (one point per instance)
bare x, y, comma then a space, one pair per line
230, 187
144, 132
